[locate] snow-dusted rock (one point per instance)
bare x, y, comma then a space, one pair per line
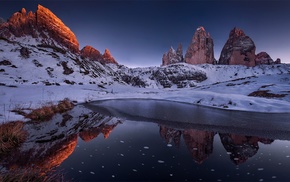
173, 56
200, 50
238, 50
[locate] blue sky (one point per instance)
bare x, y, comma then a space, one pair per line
137, 33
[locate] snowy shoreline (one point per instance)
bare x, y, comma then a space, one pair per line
35, 96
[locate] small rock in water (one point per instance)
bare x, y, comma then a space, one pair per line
135, 170
92, 172
160, 161
121, 141
260, 169
169, 145
146, 147
122, 155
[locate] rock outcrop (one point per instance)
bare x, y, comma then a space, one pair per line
278, 61
108, 58
173, 56
43, 25
200, 51
91, 53
263, 58
238, 50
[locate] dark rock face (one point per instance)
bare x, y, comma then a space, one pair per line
263, 58
238, 50
200, 51
173, 56
278, 61
43, 24
177, 75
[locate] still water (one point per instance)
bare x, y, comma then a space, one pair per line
154, 140
162, 141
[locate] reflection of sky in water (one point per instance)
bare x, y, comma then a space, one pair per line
138, 151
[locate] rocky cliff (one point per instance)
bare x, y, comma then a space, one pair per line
43, 25
238, 50
200, 50
173, 56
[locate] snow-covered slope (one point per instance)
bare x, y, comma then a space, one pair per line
32, 75
22, 63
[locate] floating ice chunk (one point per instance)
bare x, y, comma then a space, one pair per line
274, 177
135, 170
170, 174
113, 176
229, 153
212, 170
169, 145
92, 172
103, 167
146, 147
160, 161
260, 169
82, 162
122, 155
80, 171
121, 141
194, 148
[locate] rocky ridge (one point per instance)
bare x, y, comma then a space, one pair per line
172, 56
42, 25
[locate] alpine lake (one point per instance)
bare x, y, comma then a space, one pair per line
157, 140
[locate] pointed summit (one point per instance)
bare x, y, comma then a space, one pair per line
238, 50
108, 58
200, 50
43, 25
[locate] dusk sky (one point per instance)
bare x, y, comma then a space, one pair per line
137, 33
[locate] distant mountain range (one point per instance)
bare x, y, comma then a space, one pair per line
38, 48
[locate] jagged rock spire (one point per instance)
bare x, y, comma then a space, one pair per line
173, 56
200, 50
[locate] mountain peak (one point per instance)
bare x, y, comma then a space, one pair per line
237, 32
108, 58
43, 25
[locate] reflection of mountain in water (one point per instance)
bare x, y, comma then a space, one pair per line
50, 143
241, 147
200, 143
